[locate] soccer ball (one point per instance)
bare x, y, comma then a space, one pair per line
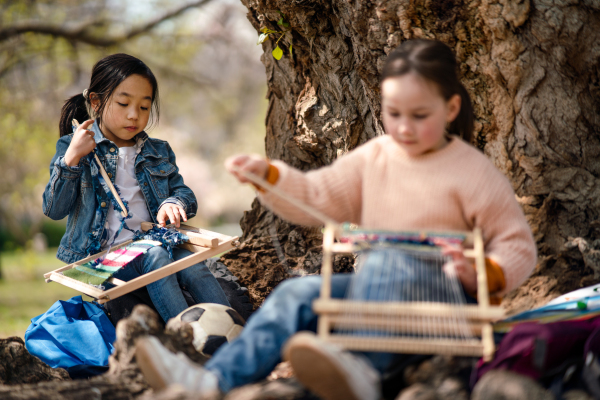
213, 325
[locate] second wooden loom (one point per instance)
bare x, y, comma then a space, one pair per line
409, 318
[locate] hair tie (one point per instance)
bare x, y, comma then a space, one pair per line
85, 93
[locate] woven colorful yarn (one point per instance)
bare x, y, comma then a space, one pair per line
433, 239
98, 271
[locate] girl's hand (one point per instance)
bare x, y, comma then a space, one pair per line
461, 267
81, 145
173, 212
253, 164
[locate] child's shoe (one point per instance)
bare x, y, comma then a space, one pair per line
162, 368
329, 371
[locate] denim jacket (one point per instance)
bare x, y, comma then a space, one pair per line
70, 190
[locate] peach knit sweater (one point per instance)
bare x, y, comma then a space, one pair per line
378, 186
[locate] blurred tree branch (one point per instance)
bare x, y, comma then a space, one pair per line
82, 33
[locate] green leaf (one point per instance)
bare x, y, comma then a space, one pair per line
286, 24
264, 29
290, 49
280, 22
262, 38
277, 53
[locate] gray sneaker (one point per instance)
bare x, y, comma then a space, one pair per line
162, 368
329, 371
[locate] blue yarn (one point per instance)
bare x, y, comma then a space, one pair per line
169, 237
95, 246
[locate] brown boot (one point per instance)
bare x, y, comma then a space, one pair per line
329, 371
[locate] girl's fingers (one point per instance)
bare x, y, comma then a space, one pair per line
455, 252
86, 124
84, 128
235, 162
231, 166
161, 217
450, 268
243, 163
243, 168
182, 212
92, 145
174, 218
451, 252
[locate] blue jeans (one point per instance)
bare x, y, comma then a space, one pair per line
286, 311
166, 293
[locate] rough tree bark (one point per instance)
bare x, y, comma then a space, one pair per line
531, 67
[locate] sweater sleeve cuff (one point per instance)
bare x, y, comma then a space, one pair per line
272, 177
495, 276
495, 280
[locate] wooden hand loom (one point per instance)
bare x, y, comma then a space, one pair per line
202, 243
335, 312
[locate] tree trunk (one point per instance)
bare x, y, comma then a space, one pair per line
531, 68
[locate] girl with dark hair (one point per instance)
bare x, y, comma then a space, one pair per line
118, 104
434, 62
419, 176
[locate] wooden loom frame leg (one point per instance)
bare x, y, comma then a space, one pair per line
483, 296
324, 323
487, 339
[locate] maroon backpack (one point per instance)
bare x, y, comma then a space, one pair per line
550, 353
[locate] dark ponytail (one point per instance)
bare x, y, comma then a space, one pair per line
74, 108
434, 61
107, 74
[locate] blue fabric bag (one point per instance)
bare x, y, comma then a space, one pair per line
71, 333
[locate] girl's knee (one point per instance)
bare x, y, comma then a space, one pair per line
179, 253
159, 252
196, 271
298, 288
155, 258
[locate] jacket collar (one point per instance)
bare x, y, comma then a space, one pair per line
98, 136
148, 149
